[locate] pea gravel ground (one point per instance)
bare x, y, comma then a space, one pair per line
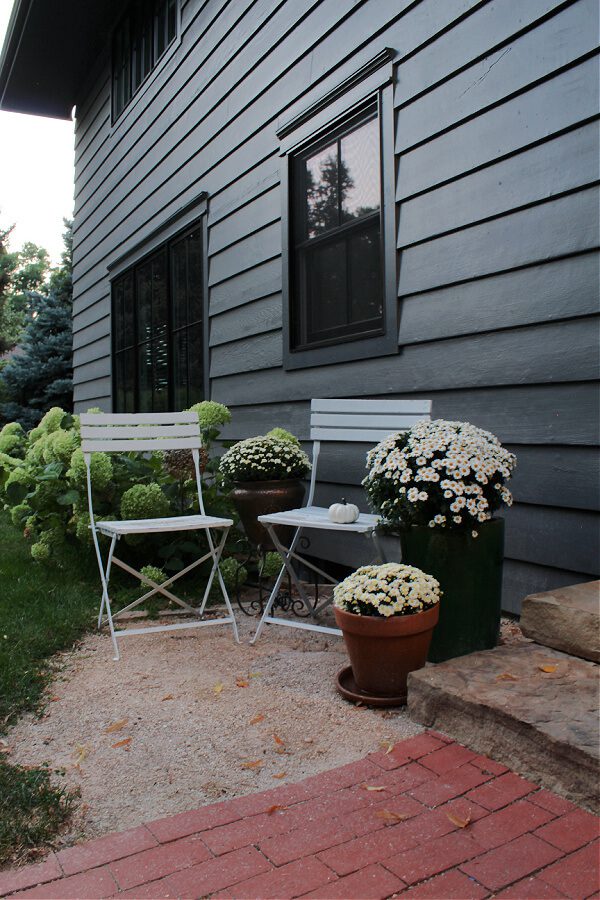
189, 717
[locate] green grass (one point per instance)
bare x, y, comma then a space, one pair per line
42, 611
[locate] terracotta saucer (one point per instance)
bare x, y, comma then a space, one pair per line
346, 685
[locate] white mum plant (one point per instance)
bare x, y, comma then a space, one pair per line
264, 458
442, 474
387, 590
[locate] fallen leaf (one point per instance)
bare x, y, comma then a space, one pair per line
241, 682
218, 687
506, 676
254, 764
256, 719
385, 745
278, 740
55, 699
388, 816
280, 775
371, 787
255, 675
80, 753
167, 697
124, 743
116, 726
273, 809
456, 820
547, 668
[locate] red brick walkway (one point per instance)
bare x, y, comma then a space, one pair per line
330, 836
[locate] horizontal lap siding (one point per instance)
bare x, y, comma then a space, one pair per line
497, 162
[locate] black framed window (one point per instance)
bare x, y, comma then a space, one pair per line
337, 268
157, 326
139, 41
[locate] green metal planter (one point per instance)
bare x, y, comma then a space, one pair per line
470, 574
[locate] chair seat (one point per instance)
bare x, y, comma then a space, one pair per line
170, 523
317, 517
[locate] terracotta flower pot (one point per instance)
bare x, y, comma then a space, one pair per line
383, 651
259, 498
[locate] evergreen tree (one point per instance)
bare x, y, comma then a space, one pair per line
40, 375
21, 272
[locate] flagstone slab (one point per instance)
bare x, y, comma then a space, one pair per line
533, 708
567, 619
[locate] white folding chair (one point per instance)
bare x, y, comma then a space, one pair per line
140, 432
358, 421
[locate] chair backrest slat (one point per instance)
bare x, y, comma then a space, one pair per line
364, 421
370, 407
109, 432
125, 432
140, 445
150, 418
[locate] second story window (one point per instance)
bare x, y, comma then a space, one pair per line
139, 42
337, 263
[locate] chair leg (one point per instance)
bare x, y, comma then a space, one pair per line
277, 585
216, 555
106, 578
105, 604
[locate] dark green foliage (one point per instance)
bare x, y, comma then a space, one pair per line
39, 375
33, 811
21, 273
37, 619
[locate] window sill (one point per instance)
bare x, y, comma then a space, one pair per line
347, 351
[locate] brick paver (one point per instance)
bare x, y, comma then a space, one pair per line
444, 823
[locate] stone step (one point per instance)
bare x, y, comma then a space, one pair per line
567, 619
531, 708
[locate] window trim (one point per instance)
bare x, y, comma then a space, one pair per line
186, 219
325, 115
144, 86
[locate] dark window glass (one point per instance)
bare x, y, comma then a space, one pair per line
337, 290
157, 329
139, 41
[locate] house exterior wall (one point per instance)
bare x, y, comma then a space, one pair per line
497, 231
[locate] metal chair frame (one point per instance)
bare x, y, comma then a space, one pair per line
357, 421
141, 432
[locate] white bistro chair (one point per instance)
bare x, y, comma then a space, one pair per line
358, 421
140, 432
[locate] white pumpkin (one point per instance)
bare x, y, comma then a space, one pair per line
343, 513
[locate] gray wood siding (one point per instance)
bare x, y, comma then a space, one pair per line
497, 149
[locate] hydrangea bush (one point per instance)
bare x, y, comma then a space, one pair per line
441, 474
387, 590
43, 484
264, 458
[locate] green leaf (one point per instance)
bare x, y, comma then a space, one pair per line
67, 421
16, 492
68, 499
188, 547
174, 564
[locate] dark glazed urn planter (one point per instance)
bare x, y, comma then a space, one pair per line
469, 571
260, 498
383, 651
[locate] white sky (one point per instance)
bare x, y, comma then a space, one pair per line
36, 173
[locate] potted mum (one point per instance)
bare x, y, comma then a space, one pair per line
387, 614
266, 473
437, 487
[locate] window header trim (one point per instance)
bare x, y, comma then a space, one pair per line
177, 221
385, 56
